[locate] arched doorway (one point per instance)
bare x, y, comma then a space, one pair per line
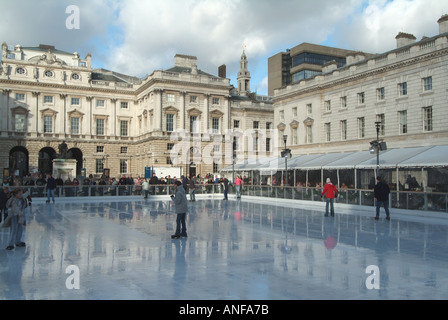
76, 153
18, 161
46, 157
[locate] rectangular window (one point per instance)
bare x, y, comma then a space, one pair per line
74, 125
169, 146
99, 149
170, 97
309, 134
402, 89
123, 149
193, 99
403, 121
75, 101
427, 119
123, 166
327, 105
344, 102
268, 144
48, 124
48, 99
294, 112
215, 167
215, 125
327, 127
194, 124
427, 84
236, 124
309, 109
20, 96
295, 136
361, 127
343, 130
20, 122
380, 94
100, 103
99, 166
169, 161
124, 128
382, 120
215, 101
268, 125
100, 127
169, 122
256, 124
124, 105
282, 115
361, 98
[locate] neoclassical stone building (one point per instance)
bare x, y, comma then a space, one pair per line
404, 89
177, 117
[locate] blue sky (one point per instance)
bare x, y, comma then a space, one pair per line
136, 37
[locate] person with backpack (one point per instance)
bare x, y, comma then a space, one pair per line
330, 192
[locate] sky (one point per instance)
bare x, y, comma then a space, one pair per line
136, 37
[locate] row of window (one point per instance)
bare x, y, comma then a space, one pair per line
73, 101
361, 97
171, 97
49, 74
101, 103
255, 124
427, 124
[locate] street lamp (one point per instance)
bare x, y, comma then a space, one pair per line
286, 153
377, 145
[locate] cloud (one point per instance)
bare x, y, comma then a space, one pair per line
136, 37
376, 26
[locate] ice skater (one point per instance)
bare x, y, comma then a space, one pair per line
16, 215
381, 191
331, 192
180, 206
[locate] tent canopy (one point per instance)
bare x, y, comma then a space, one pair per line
392, 158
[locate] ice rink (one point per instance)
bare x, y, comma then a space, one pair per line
250, 249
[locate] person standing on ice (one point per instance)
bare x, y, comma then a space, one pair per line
180, 207
331, 192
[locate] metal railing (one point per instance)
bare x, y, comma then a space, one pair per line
410, 200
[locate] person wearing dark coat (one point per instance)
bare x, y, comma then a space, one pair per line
381, 191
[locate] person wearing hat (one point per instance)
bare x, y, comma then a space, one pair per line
330, 192
181, 206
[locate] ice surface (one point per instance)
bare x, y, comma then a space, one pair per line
234, 250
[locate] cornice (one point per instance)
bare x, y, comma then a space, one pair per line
365, 74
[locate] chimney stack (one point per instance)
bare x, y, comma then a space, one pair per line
404, 39
443, 24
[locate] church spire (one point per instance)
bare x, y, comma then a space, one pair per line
243, 76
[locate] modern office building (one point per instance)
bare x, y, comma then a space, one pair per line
303, 61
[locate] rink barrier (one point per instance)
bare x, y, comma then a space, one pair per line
409, 200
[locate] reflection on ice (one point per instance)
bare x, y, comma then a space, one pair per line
235, 250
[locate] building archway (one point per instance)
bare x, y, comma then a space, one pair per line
76, 153
46, 157
19, 161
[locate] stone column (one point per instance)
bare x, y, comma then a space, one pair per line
206, 112
36, 95
182, 109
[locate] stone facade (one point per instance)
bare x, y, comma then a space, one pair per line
110, 120
404, 89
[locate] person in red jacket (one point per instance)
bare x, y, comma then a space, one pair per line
331, 192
